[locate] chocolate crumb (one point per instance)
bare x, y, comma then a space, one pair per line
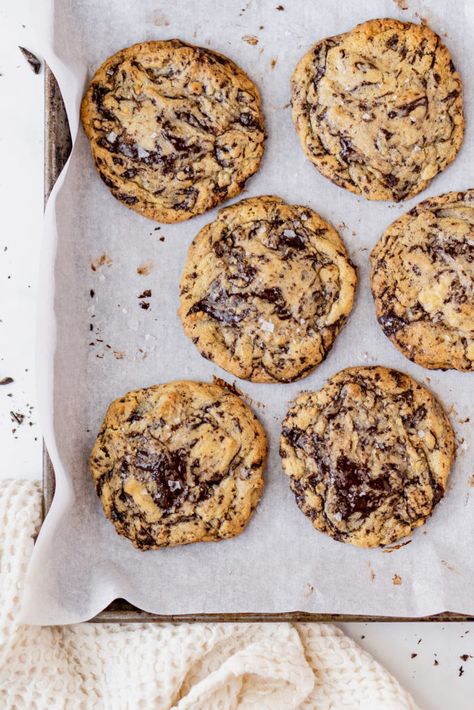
92, 293
145, 268
461, 671
145, 294
32, 60
144, 305
17, 417
413, 655
6, 381
279, 7
465, 657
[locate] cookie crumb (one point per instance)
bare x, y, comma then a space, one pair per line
396, 579
161, 20
102, 260
145, 269
393, 548
17, 417
250, 39
402, 4
309, 589
273, 63
227, 385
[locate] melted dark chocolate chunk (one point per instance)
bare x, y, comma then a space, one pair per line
392, 42
291, 238
246, 119
405, 109
128, 199
391, 323
347, 151
357, 491
221, 306
165, 475
293, 435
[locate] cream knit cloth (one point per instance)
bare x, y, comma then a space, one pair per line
161, 666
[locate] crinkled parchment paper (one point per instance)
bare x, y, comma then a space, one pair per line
93, 249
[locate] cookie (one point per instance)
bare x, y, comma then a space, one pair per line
178, 463
368, 456
174, 129
423, 282
265, 290
378, 110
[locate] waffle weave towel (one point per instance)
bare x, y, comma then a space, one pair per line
162, 666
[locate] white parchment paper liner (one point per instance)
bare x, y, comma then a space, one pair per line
280, 563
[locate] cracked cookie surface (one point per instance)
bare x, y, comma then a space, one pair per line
368, 455
174, 129
265, 290
179, 463
422, 281
379, 109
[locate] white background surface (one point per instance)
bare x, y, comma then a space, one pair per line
434, 687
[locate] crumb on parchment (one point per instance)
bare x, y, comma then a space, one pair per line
145, 269
102, 260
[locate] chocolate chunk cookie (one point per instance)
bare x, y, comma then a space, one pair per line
178, 463
265, 290
368, 455
174, 129
423, 282
379, 109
